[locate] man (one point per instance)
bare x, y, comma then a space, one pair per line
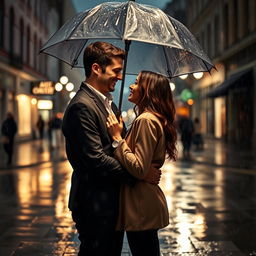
9, 129
97, 176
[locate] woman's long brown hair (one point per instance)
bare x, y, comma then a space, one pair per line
156, 97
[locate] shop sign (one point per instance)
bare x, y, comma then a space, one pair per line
42, 88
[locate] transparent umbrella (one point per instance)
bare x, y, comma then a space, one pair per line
153, 40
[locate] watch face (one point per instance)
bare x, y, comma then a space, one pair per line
115, 144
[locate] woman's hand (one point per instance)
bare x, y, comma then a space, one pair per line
114, 127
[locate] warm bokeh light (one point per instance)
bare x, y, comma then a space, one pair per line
72, 94
172, 85
190, 102
198, 75
182, 111
34, 101
70, 87
45, 104
183, 77
63, 79
58, 87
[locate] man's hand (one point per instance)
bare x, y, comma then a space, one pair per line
154, 175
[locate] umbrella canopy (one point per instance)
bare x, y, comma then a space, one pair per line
155, 41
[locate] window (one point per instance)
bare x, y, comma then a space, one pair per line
35, 51
28, 46
21, 39
216, 36
209, 39
11, 31
245, 17
235, 20
226, 25
2, 8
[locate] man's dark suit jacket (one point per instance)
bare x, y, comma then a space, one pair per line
96, 174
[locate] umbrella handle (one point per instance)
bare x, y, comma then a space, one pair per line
127, 47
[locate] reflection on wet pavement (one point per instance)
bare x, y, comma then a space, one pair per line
212, 211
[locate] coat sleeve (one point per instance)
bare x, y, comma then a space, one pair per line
85, 133
145, 134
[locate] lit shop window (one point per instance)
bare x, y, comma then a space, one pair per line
24, 122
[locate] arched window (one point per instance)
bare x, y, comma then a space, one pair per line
226, 25
21, 50
11, 30
246, 17
216, 35
209, 39
35, 51
40, 56
28, 46
2, 9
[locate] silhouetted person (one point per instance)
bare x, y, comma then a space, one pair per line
197, 138
56, 130
49, 131
9, 129
186, 129
40, 127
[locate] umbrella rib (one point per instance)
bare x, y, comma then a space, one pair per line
78, 23
75, 59
167, 63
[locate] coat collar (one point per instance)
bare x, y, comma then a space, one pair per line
95, 97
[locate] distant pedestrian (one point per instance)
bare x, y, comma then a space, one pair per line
198, 138
49, 131
40, 127
186, 129
9, 129
56, 124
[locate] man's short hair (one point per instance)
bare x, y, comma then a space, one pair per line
102, 54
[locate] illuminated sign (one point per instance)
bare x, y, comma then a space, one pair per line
45, 104
42, 88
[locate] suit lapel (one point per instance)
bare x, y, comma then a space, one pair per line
95, 98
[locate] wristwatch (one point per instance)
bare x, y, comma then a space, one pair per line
115, 143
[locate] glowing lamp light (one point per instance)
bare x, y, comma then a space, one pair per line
58, 87
34, 101
124, 114
63, 79
72, 94
172, 85
190, 102
183, 77
69, 87
45, 104
198, 75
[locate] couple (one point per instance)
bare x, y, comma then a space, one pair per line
114, 182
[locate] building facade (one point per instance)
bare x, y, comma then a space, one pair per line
25, 25
226, 29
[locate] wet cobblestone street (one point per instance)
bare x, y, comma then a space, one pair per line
212, 211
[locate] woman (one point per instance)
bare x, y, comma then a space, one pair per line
143, 208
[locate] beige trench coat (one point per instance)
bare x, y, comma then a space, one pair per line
143, 206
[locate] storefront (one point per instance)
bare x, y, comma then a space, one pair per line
235, 95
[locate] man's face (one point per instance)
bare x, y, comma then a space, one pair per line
107, 80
